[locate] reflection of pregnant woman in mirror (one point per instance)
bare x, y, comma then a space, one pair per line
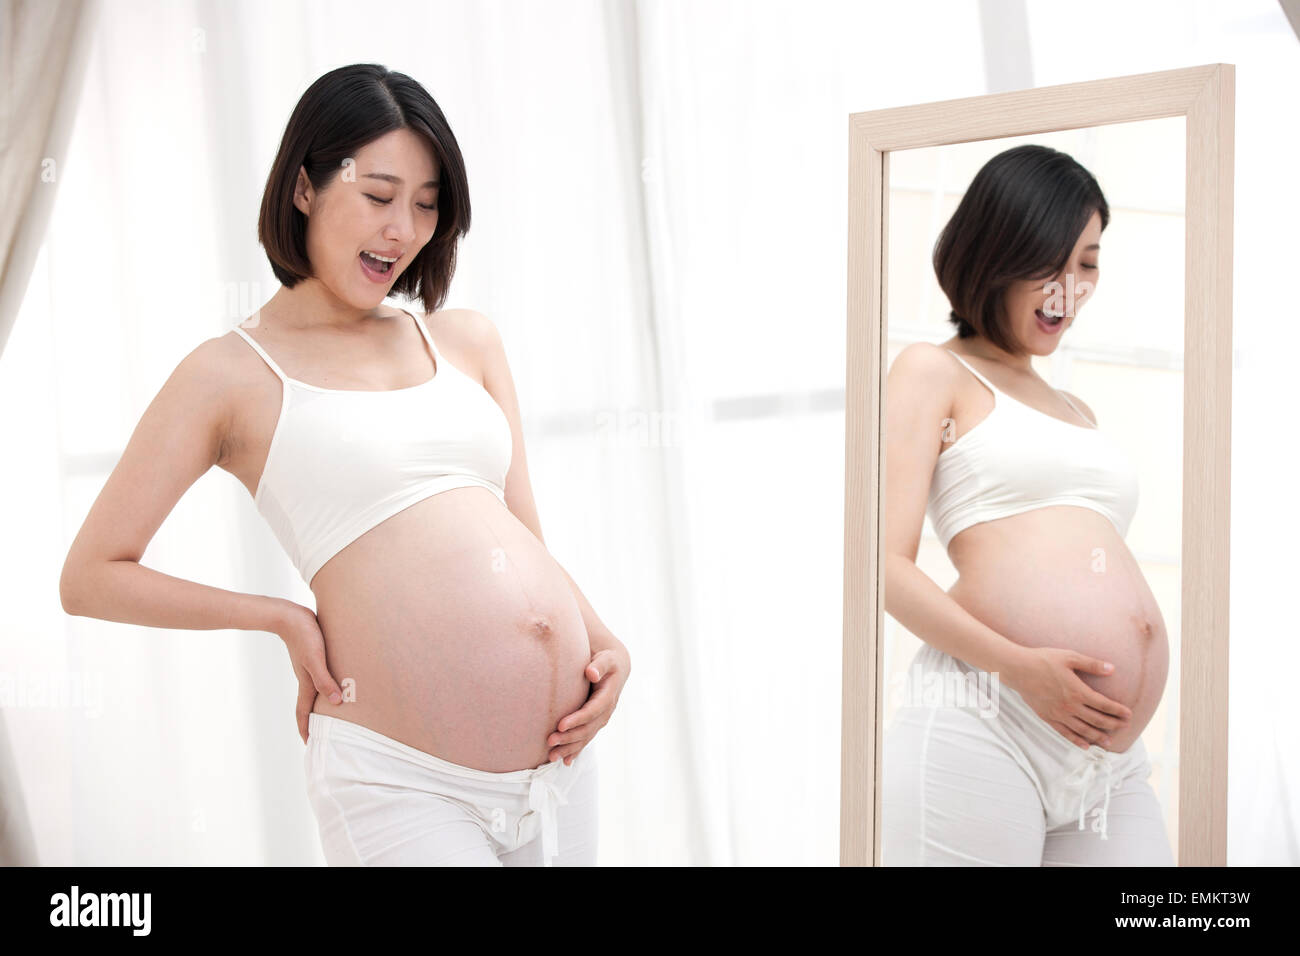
452, 673
1032, 502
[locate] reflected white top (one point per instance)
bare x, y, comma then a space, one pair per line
1018, 459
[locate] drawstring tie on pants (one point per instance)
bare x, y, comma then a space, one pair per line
545, 799
1082, 777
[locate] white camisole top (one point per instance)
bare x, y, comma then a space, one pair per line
1017, 459
341, 461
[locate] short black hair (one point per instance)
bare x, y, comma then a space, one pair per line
1019, 219
340, 113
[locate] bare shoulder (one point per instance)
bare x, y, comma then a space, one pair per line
233, 365
1083, 407
469, 338
466, 328
209, 365
201, 391
924, 363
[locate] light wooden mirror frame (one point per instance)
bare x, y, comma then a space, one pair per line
1204, 95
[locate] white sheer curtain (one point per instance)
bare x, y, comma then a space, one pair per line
746, 109
42, 57
659, 232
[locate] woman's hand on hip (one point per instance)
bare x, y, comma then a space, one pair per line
302, 637
608, 672
1046, 679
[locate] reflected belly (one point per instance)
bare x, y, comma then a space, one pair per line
458, 632
1063, 577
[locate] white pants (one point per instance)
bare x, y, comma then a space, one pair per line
379, 802
974, 777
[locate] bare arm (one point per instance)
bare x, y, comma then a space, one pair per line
919, 399
179, 437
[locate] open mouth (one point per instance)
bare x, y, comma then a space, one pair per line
377, 267
1047, 321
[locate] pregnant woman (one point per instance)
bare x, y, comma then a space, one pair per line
1044, 662
452, 674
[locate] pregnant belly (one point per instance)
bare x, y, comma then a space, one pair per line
1062, 577
457, 631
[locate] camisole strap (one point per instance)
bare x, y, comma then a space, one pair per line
1077, 409
262, 352
996, 390
428, 338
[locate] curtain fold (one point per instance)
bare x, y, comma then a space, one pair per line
17, 842
42, 66
42, 58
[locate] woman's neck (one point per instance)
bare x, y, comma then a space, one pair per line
310, 305
981, 347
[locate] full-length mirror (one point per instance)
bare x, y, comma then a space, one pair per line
1037, 470
1033, 477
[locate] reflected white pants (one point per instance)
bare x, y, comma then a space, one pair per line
974, 777
379, 802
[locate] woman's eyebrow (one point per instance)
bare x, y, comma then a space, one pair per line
395, 180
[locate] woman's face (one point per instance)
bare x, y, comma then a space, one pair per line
385, 203
1032, 304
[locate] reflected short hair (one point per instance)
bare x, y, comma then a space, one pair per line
340, 113
1020, 219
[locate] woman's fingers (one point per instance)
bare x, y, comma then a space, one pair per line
306, 701
1101, 720
574, 731
1104, 704
572, 744
582, 732
596, 704
1092, 665
556, 739
306, 646
576, 719
577, 735
321, 677
1085, 730
602, 663
566, 753
1094, 698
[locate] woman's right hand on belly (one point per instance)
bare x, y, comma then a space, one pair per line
302, 637
1045, 677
